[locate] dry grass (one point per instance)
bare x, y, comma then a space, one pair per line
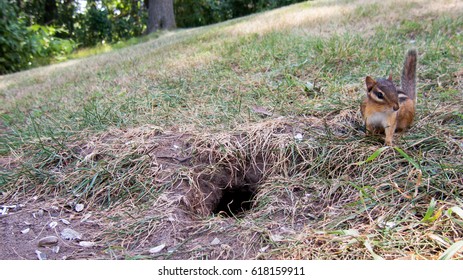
326, 18
314, 196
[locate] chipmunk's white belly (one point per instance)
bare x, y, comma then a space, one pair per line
378, 119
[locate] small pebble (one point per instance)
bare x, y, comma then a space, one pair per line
86, 244
216, 241
38, 214
41, 256
79, 207
48, 241
263, 249
276, 238
157, 249
70, 234
55, 249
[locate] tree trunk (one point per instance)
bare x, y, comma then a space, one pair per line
51, 12
160, 15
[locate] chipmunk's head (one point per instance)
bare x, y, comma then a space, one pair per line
383, 91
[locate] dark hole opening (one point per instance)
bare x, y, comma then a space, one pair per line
235, 201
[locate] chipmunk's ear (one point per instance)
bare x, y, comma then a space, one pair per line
390, 77
370, 82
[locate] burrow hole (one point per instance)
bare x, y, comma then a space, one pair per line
236, 201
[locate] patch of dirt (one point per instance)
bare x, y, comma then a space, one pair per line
24, 225
237, 195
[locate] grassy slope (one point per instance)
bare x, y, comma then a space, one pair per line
304, 60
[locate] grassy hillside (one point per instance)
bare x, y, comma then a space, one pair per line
154, 138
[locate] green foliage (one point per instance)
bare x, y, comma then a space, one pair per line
198, 13
93, 27
46, 45
191, 13
15, 42
128, 18
113, 22
23, 47
40, 31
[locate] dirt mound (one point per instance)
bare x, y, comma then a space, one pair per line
261, 191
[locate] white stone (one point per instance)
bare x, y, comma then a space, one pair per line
157, 249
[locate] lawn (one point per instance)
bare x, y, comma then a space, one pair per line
242, 140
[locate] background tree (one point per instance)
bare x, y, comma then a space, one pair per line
160, 15
189, 13
94, 25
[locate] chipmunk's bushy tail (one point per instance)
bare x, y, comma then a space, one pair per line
408, 79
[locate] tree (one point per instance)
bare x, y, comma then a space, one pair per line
15, 43
160, 15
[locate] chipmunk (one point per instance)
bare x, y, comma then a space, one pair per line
387, 109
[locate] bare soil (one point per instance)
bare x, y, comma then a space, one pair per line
26, 224
278, 189
205, 212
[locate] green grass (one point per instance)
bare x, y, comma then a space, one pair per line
206, 81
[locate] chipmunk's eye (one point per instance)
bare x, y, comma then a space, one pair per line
379, 94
